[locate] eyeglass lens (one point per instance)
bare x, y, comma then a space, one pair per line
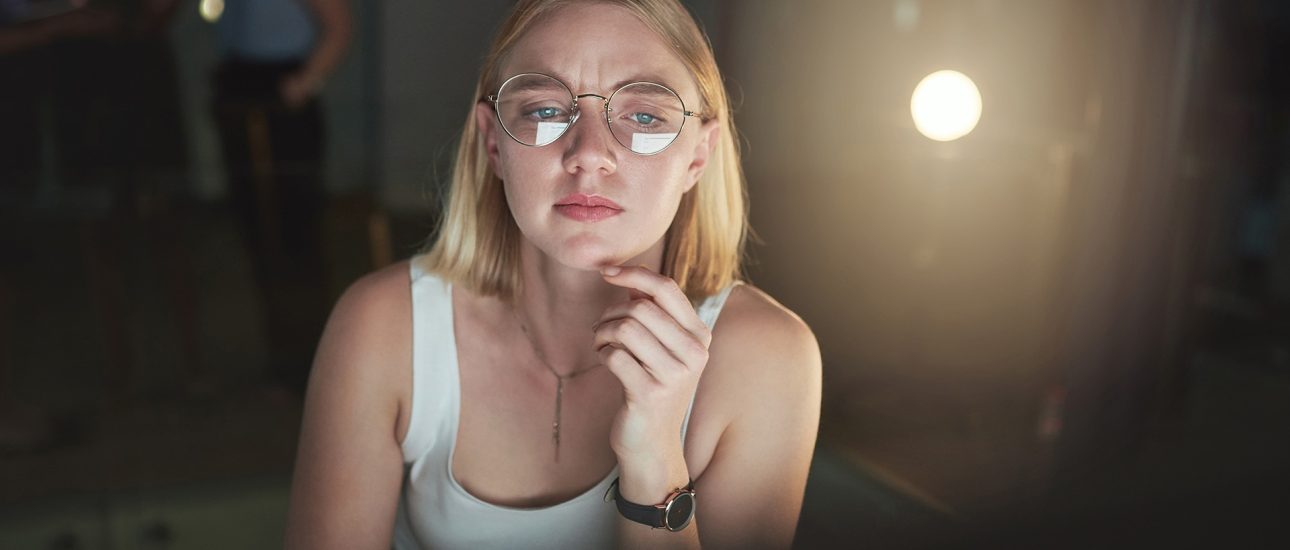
537, 109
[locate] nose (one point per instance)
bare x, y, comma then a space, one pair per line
589, 146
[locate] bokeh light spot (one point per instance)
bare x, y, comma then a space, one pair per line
946, 105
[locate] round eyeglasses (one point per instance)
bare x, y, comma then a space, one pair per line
536, 109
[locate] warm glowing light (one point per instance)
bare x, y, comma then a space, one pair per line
946, 105
211, 10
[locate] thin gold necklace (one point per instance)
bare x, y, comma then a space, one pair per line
559, 385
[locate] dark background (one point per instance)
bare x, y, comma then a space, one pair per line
1069, 328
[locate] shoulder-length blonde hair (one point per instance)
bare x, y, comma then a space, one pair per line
477, 241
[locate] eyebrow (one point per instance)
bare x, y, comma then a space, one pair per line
653, 79
651, 91
530, 85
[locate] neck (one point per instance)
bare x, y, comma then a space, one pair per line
559, 304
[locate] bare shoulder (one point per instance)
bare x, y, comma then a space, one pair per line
375, 311
369, 334
375, 303
762, 352
763, 334
754, 306
379, 290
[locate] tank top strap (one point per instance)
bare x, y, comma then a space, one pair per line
710, 308
434, 377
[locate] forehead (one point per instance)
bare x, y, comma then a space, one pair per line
592, 47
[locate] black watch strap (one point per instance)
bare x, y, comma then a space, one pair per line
656, 516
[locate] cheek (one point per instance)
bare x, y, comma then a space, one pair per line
521, 197
509, 165
656, 177
522, 176
656, 190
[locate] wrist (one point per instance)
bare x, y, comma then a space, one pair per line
649, 480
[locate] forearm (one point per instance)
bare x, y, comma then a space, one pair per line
334, 36
651, 481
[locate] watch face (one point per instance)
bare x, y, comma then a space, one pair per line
680, 511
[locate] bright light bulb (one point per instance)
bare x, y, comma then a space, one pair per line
211, 10
946, 105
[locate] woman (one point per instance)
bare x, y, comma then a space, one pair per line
563, 319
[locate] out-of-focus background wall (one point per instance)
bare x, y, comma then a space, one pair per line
1068, 327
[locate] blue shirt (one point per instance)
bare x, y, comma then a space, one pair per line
266, 30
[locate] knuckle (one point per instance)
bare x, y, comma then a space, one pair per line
694, 361
699, 353
642, 307
680, 373
630, 327
680, 363
615, 329
619, 355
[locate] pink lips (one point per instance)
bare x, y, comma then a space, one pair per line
588, 208
588, 200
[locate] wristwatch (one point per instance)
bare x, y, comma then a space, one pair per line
673, 514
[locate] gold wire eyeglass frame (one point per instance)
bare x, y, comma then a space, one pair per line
577, 111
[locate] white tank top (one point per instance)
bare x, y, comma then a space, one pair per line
435, 511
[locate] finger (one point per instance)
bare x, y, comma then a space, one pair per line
681, 343
665, 293
635, 379
630, 334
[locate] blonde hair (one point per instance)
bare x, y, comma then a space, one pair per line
477, 241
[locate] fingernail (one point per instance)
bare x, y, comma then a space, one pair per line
611, 270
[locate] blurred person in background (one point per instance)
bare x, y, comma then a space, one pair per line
275, 57
529, 381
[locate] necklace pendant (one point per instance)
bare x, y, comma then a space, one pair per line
555, 426
555, 438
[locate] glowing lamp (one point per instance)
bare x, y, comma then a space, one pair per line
211, 10
946, 105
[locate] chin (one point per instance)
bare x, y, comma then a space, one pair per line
589, 255
590, 260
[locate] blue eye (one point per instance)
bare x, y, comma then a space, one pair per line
644, 119
545, 113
